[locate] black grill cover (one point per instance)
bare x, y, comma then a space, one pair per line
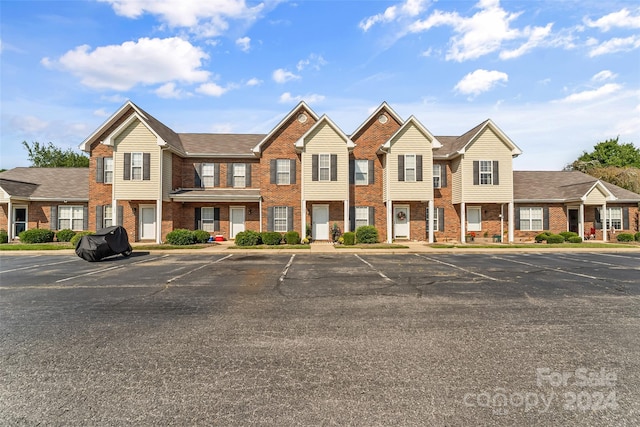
105, 242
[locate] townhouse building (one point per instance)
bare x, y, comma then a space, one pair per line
310, 176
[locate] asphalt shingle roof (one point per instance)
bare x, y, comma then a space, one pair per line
47, 183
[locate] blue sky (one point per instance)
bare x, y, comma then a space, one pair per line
556, 76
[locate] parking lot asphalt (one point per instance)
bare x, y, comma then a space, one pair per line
335, 338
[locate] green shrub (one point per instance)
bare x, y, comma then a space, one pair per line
271, 238
367, 234
292, 238
201, 236
76, 238
567, 235
636, 237
37, 235
625, 237
248, 238
349, 238
65, 235
575, 239
542, 236
181, 237
4, 236
555, 238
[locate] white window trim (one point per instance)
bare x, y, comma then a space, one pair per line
208, 224
327, 157
433, 223
211, 177
530, 218
407, 168
365, 173
107, 165
283, 168
610, 218
71, 209
487, 173
134, 167
280, 219
361, 209
437, 176
237, 175
106, 217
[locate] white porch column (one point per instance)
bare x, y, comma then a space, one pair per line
581, 221
10, 229
159, 221
346, 227
260, 216
303, 218
604, 222
502, 223
511, 221
389, 221
463, 222
431, 223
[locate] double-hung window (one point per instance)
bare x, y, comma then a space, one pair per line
280, 219
531, 219
362, 216
614, 218
207, 218
136, 166
486, 172
434, 221
108, 170
283, 171
107, 216
324, 167
437, 173
410, 167
70, 217
239, 175
208, 175
361, 172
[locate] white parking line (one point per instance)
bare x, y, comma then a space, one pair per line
90, 273
543, 267
198, 268
38, 265
286, 269
459, 268
380, 273
619, 256
588, 261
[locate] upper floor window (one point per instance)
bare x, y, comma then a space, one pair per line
208, 174
70, 217
362, 172
239, 175
283, 171
437, 173
137, 166
531, 219
324, 167
108, 170
485, 172
410, 167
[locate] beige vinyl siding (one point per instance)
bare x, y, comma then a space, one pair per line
456, 180
4, 197
410, 141
167, 170
488, 147
136, 138
595, 197
325, 140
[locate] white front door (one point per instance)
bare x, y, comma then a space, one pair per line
474, 219
401, 222
147, 222
320, 217
237, 221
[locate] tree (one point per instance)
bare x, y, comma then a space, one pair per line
50, 156
612, 162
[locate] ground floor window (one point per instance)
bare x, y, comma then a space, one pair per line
531, 219
280, 219
107, 220
614, 218
434, 222
208, 219
362, 216
70, 217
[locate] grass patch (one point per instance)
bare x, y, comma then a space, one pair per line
373, 246
272, 247
152, 247
591, 245
35, 246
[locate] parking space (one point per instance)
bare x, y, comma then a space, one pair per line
306, 339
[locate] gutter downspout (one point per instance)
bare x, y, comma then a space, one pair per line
10, 229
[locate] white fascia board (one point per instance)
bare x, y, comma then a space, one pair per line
603, 188
109, 140
383, 106
432, 139
86, 144
299, 144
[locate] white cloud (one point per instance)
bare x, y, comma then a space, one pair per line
593, 94
29, 124
620, 19
603, 76
282, 76
244, 43
614, 45
314, 62
146, 62
101, 112
254, 82
205, 18
410, 8
211, 89
485, 32
287, 98
169, 90
480, 81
